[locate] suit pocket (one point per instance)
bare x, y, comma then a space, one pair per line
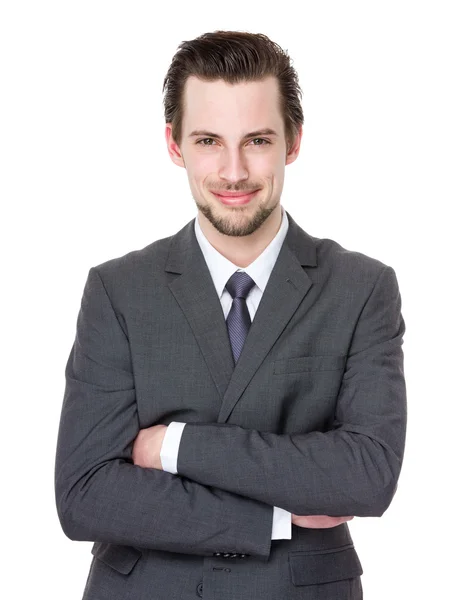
120, 558
324, 566
299, 364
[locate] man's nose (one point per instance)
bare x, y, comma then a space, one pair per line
233, 166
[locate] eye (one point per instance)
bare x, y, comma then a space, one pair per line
205, 140
262, 140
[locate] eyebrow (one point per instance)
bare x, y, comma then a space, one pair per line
257, 133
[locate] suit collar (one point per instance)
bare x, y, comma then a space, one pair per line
185, 247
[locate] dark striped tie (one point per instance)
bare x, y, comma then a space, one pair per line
238, 320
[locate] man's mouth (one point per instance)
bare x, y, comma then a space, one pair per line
233, 198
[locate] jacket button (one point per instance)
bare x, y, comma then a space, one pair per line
200, 590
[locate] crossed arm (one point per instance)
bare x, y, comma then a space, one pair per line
147, 451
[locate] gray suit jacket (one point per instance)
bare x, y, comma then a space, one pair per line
312, 419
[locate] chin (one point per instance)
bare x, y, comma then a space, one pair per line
238, 221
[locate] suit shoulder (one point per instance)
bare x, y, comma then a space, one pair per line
136, 262
352, 263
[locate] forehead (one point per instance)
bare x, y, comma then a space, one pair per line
221, 106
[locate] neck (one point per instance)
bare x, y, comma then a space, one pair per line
242, 250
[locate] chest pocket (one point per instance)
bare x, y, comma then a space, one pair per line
300, 364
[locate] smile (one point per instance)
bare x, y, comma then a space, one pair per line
232, 200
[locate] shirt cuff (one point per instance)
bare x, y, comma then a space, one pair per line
170, 447
282, 524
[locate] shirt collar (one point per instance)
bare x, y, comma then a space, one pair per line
221, 268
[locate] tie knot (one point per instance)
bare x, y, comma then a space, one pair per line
239, 284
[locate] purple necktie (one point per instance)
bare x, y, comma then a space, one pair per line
238, 320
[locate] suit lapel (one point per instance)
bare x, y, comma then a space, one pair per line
196, 295
194, 291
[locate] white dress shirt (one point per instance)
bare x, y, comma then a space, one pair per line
221, 270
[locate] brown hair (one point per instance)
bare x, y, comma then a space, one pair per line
233, 56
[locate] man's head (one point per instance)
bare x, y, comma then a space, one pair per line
234, 120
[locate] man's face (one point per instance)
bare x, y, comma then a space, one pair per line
228, 145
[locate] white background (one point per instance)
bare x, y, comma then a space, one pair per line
85, 177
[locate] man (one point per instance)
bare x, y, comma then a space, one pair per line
235, 392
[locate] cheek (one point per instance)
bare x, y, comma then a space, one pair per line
279, 169
203, 166
268, 170
268, 164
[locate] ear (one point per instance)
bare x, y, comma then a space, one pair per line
293, 151
173, 149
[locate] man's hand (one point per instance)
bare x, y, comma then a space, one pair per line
147, 446
318, 521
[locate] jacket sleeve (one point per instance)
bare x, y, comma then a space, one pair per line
351, 469
101, 495
282, 519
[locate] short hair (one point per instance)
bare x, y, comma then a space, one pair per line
235, 57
